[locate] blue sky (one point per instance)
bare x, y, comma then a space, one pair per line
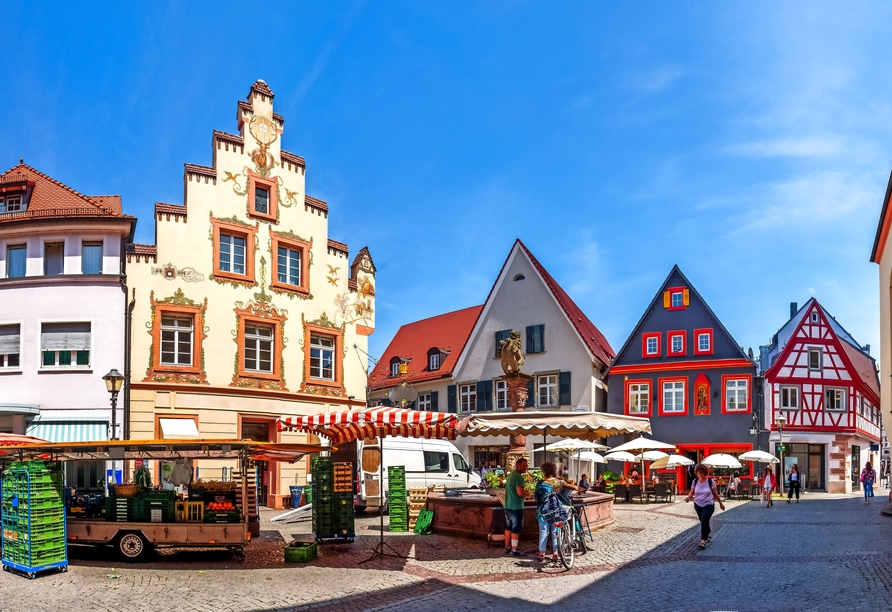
748, 144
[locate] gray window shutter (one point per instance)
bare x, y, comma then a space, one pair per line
451, 399
531, 393
65, 337
540, 338
9, 339
531, 347
435, 401
502, 334
484, 395
564, 388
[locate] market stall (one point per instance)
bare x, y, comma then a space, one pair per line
135, 517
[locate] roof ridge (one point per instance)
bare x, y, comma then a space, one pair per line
63, 186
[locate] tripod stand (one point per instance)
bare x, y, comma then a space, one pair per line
379, 550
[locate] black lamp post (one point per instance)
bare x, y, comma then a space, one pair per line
780, 421
114, 380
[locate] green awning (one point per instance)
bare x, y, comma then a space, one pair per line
69, 431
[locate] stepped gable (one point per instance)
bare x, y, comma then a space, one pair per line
448, 332
315, 203
48, 194
334, 245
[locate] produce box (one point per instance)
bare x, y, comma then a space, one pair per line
300, 552
213, 516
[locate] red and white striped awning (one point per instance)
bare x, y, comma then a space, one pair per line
348, 425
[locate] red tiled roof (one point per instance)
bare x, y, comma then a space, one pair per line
338, 246
231, 138
51, 195
448, 332
591, 335
864, 366
315, 203
201, 170
142, 249
261, 87
294, 159
170, 209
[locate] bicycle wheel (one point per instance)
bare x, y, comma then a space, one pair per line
566, 545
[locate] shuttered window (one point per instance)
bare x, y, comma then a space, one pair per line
502, 334
53, 258
535, 339
564, 394
451, 399
10, 346
484, 395
65, 344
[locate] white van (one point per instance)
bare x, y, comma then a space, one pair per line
427, 463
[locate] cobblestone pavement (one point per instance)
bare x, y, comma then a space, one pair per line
826, 553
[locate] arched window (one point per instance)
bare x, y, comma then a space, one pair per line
519, 277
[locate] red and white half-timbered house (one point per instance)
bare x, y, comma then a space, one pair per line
826, 387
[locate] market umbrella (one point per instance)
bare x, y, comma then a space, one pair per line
621, 456
643, 444
721, 460
583, 425
570, 446
652, 455
11, 439
759, 456
592, 456
670, 461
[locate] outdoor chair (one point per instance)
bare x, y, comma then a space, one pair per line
620, 492
635, 491
659, 492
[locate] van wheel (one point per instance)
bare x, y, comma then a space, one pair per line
132, 546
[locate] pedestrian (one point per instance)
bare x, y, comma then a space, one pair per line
795, 483
550, 484
584, 483
768, 482
704, 494
868, 477
515, 494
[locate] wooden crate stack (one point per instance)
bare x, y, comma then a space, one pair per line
417, 503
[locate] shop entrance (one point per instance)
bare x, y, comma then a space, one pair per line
810, 460
856, 467
259, 431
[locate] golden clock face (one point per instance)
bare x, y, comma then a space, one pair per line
263, 130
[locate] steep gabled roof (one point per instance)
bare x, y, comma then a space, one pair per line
656, 302
48, 195
448, 332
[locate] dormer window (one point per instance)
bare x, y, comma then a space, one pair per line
676, 298
395, 368
398, 366
11, 203
435, 359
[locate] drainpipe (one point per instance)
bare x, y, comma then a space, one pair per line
128, 324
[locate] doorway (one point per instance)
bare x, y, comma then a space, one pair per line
856, 467
259, 431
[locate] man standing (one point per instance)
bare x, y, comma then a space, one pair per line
514, 499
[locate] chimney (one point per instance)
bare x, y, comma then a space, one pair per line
867, 349
794, 308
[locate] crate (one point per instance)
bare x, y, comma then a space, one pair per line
152, 494
37, 465
300, 552
423, 524
230, 516
189, 512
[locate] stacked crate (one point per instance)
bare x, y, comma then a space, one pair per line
33, 510
332, 499
396, 498
122, 509
157, 506
417, 503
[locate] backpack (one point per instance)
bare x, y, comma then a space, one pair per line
553, 507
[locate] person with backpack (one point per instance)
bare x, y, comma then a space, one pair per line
704, 494
868, 477
551, 494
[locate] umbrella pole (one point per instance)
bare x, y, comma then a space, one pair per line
379, 551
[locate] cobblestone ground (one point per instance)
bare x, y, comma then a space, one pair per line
826, 553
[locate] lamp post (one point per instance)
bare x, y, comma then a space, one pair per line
780, 421
114, 380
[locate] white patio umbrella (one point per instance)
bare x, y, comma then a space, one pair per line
621, 456
572, 445
643, 444
652, 455
759, 456
670, 461
592, 456
721, 460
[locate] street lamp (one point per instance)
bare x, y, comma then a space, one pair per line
114, 380
780, 421
403, 394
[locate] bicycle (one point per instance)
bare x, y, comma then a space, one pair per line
567, 529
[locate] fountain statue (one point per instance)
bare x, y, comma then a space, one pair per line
512, 363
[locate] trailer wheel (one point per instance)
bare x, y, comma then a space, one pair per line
132, 546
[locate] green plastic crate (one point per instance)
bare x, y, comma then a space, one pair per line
300, 552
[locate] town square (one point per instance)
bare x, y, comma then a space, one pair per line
481, 306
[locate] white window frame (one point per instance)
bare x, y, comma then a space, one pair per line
16, 247
181, 335
289, 255
92, 243
814, 317
501, 391
228, 264
820, 353
839, 399
7, 203
72, 354
672, 388
424, 402
700, 344
735, 386
672, 339
323, 351
467, 396
433, 362
791, 392
639, 398
547, 383
656, 345
395, 368
672, 297
259, 343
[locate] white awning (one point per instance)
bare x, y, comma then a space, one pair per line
69, 431
178, 428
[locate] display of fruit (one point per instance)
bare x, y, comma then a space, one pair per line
221, 506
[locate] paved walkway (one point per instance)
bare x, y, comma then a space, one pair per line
826, 553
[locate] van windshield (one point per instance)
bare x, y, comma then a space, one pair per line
460, 464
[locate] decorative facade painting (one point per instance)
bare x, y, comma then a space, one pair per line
177, 327
701, 395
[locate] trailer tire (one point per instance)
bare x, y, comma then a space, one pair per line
132, 546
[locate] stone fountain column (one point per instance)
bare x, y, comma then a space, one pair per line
517, 399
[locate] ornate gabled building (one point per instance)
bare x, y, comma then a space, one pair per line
825, 385
62, 305
682, 369
246, 311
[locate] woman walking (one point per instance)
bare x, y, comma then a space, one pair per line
795, 483
768, 482
704, 494
868, 477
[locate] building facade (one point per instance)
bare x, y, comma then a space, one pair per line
882, 256
682, 369
62, 312
825, 386
246, 311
